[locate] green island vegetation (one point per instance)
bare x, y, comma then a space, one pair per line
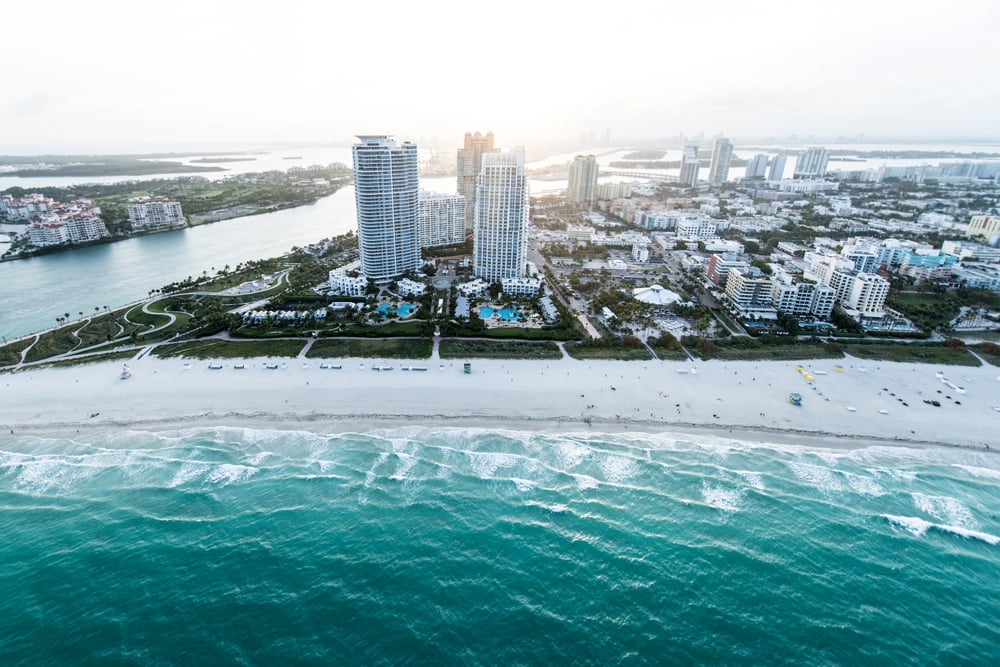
951, 352
645, 155
11, 353
744, 348
229, 349
667, 347
627, 348
497, 349
988, 351
388, 348
95, 165
222, 160
936, 307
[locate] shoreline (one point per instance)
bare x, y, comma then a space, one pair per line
745, 401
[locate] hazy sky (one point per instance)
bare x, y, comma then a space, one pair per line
178, 73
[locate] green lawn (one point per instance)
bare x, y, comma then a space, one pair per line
498, 349
389, 348
748, 349
11, 353
988, 351
926, 353
54, 342
592, 351
231, 349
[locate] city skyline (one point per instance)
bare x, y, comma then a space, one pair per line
239, 72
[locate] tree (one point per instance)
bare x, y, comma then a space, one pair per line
496, 289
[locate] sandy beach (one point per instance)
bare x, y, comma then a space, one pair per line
861, 404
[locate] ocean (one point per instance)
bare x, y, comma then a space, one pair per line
461, 546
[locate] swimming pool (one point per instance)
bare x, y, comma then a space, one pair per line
510, 314
402, 310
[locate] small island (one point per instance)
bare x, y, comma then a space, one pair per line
203, 201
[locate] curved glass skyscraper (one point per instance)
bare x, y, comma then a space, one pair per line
386, 192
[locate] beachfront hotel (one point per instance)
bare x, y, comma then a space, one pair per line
386, 193
469, 160
500, 249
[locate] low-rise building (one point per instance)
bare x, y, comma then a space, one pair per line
521, 286
344, 284
407, 287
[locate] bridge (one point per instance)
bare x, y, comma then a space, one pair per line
649, 176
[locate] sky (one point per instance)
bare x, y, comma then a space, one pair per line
178, 73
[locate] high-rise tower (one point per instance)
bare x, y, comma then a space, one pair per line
468, 162
777, 167
811, 163
757, 166
722, 153
386, 190
582, 180
690, 165
500, 249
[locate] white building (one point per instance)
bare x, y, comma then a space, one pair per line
777, 171
802, 298
722, 154
521, 286
477, 287
345, 285
442, 219
612, 191
690, 165
386, 187
697, 228
811, 163
501, 217
407, 287
640, 253
582, 180
77, 221
867, 295
155, 214
970, 250
757, 166
749, 293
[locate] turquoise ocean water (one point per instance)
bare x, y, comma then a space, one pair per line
463, 546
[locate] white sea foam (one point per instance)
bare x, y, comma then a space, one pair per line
230, 473
976, 471
586, 482
919, 527
821, 478
618, 468
571, 453
722, 498
944, 508
866, 486
405, 464
753, 479
187, 472
486, 464
523, 484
